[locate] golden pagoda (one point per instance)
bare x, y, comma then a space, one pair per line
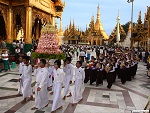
95, 34
140, 33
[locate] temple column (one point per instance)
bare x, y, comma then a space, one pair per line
28, 31
53, 20
9, 30
9, 33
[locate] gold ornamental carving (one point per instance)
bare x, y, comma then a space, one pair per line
20, 10
44, 17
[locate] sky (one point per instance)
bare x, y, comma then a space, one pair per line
82, 10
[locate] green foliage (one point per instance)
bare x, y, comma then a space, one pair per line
126, 26
49, 56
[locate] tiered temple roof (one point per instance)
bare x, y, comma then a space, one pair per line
94, 32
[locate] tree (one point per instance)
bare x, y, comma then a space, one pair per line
126, 26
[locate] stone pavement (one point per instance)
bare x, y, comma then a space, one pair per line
119, 99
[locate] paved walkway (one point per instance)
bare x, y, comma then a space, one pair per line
119, 99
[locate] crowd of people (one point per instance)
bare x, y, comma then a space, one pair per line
109, 64
50, 77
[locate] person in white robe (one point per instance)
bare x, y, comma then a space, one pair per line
21, 64
68, 69
26, 79
58, 82
41, 92
50, 69
79, 82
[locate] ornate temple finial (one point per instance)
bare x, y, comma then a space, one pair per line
145, 17
139, 18
73, 25
98, 12
70, 26
92, 19
86, 27
118, 18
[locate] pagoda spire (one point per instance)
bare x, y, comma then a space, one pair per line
92, 19
70, 26
86, 27
98, 13
139, 18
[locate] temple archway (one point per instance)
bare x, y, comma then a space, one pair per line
2, 27
36, 29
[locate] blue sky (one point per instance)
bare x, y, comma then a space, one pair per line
82, 10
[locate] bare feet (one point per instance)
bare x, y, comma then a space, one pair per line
47, 105
53, 112
64, 97
69, 95
19, 94
24, 101
51, 93
31, 98
59, 108
34, 108
73, 104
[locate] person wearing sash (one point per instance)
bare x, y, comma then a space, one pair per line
41, 92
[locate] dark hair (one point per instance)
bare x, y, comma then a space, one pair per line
58, 62
69, 59
80, 63
26, 58
43, 61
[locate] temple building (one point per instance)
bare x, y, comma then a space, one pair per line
71, 34
117, 30
27, 17
141, 32
94, 34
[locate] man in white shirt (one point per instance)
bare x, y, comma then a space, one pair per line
58, 82
5, 60
68, 69
20, 89
26, 79
79, 81
41, 92
82, 55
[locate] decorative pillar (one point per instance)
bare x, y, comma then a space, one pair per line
28, 31
53, 20
9, 30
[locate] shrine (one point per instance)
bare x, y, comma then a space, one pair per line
25, 19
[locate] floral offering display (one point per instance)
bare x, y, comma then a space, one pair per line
48, 46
